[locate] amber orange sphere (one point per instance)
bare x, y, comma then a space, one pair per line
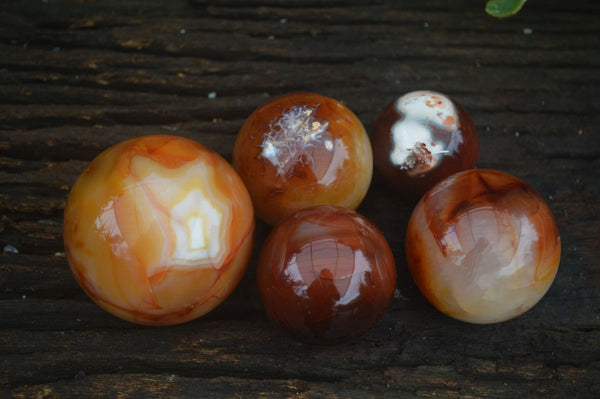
482, 246
421, 138
301, 150
326, 275
158, 230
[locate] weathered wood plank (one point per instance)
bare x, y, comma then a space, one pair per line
405, 383
210, 352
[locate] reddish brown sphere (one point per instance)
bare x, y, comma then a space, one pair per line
421, 138
326, 275
302, 150
482, 246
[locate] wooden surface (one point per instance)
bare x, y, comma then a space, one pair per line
78, 76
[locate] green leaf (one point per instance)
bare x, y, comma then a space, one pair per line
503, 8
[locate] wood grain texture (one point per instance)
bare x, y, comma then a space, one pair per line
78, 76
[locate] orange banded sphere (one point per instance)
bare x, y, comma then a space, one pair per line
158, 230
482, 246
301, 150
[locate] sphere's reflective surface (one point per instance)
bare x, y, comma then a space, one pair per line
326, 275
482, 246
158, 230
421, 138
301, 150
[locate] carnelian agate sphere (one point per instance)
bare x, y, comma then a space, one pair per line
158, 230
326, 275
301, 150
482, 246
421, 138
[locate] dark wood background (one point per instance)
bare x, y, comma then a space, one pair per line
78, 76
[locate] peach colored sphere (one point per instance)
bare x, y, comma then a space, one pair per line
482, 246
301, 150
158, 230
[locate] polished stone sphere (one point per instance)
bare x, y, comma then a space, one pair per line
158, 230
301, 150
421, 138
326, 275
482, 246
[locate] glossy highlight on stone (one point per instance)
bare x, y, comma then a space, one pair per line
421, 138
326, 275
158, 230
482, 246
301, 150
